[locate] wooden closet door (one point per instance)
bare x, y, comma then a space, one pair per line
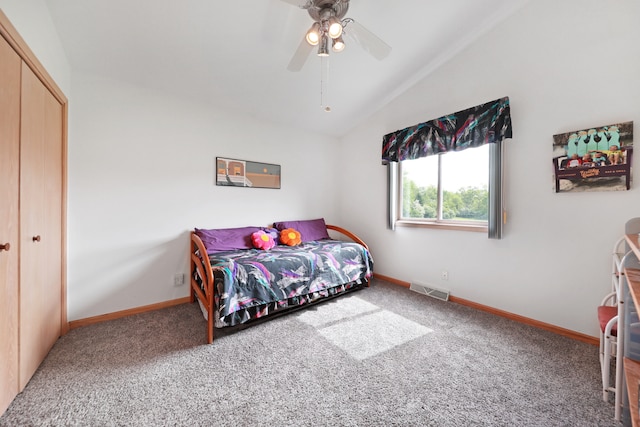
40, 223
52, 245
9, 192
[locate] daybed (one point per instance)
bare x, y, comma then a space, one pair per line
235, 283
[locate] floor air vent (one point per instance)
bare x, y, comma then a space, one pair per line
430, 291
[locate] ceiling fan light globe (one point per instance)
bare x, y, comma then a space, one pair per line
313, 35
335, 28
312, 39
338, 44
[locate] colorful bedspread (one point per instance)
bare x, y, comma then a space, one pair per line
252, 283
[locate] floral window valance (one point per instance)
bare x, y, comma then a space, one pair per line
473, 127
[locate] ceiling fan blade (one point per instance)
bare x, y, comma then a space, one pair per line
367, 40
303, 4
300, 56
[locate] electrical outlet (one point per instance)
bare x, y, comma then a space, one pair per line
444, 275
178, 279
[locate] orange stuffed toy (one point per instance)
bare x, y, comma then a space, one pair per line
290, 237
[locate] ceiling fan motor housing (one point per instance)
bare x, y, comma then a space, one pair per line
320, 10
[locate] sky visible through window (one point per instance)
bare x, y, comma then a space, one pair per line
461, 169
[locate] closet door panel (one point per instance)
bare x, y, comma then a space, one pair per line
9, 193
52, 230
39, 293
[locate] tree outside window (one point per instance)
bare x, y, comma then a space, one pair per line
449, 187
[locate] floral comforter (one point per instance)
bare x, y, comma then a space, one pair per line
252, 283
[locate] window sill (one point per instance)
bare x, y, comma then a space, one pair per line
480, 228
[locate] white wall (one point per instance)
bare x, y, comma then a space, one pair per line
141, 176
565, 66
141, 169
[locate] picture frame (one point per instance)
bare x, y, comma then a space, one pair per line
246, 173
598, 158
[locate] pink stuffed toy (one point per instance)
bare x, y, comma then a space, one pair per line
262, 240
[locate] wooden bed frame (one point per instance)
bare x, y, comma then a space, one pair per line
202, 265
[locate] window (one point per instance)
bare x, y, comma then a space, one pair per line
446, 188
458, 192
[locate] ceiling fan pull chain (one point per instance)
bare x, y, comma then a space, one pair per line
324, 83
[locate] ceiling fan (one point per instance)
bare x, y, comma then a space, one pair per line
329, 26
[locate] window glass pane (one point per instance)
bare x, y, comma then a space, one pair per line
420, 188
465, 184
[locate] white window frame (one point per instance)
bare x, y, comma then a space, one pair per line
493, 226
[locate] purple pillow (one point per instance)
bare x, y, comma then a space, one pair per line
311, 229
226, 239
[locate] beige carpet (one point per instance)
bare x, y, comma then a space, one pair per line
381, 356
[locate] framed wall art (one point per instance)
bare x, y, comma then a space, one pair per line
594, 159
245, 173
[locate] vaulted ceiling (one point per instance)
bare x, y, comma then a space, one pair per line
234, 54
